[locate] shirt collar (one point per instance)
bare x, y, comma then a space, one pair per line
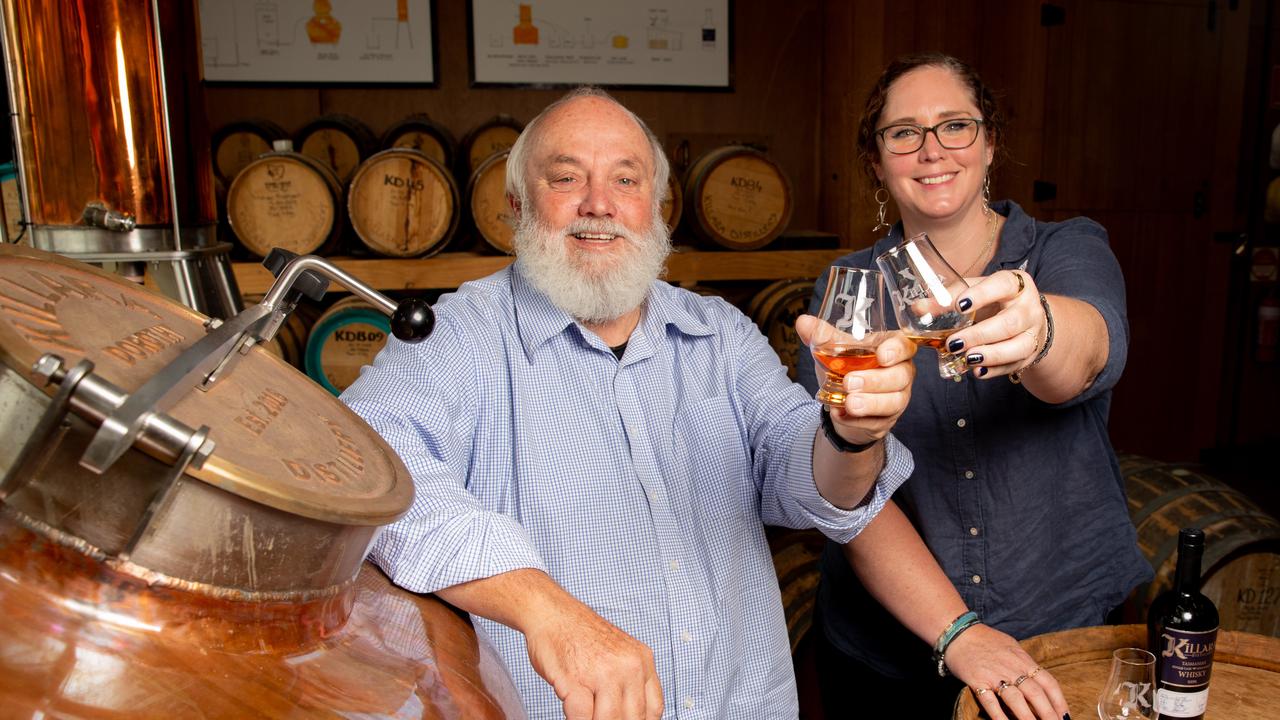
538, 319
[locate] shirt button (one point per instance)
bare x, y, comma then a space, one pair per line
960, 422
688, 703
957, 378
674, 564
686, 636
968, 475
653, 496
977, 579
973, 531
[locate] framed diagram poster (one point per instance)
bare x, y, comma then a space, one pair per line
318, 41
658, 43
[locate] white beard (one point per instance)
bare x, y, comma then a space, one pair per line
592, 287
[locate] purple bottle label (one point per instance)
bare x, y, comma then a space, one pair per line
1186, 657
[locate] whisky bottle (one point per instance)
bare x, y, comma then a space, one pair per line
1182, 629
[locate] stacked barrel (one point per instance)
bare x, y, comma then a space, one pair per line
335, 187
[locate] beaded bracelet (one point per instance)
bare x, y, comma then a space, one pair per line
952, 631
1016, 376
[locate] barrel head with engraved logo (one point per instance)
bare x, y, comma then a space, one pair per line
281, 440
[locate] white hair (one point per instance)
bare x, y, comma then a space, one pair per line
518, 160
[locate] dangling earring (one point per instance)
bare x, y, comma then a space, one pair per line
883, 200
986, 196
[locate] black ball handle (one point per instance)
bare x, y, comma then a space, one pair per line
413, 320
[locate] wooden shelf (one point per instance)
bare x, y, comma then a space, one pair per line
449, 270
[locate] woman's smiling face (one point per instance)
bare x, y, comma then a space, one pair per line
933, 183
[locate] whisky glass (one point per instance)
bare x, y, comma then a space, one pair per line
924, 290
851, 325
1130, 689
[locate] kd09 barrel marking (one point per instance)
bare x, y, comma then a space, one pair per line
347, 466
144, 344
262, 410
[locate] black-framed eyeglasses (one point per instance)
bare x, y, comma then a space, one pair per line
953, 134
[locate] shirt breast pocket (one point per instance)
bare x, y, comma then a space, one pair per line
712, 449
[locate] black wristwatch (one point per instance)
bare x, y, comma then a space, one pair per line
833, 437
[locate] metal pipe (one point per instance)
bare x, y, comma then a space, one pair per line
167, 131
10, 35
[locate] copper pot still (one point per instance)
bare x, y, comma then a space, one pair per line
113, 142
184, 519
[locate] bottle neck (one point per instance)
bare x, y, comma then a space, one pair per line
1187, 575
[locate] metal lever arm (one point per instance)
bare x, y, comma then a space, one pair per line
412, 320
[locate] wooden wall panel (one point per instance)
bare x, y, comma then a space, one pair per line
777, 67
1004, 42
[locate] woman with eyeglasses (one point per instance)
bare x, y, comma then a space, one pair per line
1017, 493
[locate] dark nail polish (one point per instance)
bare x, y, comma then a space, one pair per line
973, 358
982, 372
964, 304
1066, 716
955, 345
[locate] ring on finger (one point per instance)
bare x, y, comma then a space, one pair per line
1020, 679
1004, 685
978, 692
1033, 672
1022, 284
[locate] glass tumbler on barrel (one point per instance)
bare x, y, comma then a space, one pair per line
1130, 689
851, 324
924, 289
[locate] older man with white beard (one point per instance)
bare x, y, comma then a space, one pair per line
594, 451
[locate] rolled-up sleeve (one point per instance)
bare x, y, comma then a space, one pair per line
781, 422
1078, 263
416, 397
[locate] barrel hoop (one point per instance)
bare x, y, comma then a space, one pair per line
1211, 558
1167, 498
325, 326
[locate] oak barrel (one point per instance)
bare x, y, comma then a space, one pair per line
403, 204
344, 339
1241, 566
237, 144
285, 199
487, 200
339, 141
775, 310
419, 132
795, 559
673, 206
737, 198
492, 136
1245, 682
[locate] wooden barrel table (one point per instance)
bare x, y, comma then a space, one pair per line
1244, 685
1242, 542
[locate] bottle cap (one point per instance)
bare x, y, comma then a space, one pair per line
1193, 537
